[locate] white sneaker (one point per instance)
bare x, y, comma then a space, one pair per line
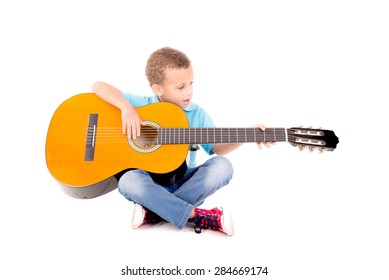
141, 216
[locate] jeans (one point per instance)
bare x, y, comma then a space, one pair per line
175, 202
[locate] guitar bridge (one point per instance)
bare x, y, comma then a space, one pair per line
91, 138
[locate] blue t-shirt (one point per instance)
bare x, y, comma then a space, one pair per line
197, 118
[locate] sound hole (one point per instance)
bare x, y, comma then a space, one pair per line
148, 137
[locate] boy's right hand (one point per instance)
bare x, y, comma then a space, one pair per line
131, 122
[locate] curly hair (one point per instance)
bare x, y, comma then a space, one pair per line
162, 59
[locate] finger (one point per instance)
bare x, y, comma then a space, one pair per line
134, 132
138, 128
125, 129
269, 144
124, 126
261, 126
129, 132
140, 123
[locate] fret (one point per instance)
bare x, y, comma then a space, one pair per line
193, 138
258, 135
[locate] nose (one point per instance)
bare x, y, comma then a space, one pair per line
189, 91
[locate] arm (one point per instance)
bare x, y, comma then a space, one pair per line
131, 121
222, 149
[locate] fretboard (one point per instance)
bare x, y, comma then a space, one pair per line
219, 135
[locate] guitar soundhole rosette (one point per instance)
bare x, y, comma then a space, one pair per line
147, 141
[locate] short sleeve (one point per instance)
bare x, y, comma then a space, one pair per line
137, 100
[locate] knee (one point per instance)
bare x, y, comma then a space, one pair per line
129, 184
223, 166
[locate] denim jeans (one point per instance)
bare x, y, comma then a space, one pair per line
175, 202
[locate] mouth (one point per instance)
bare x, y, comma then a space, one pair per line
186, 101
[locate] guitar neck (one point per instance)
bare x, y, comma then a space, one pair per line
219, 135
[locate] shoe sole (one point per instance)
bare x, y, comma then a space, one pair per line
227, 223
137, 216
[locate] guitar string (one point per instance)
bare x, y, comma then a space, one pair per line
187, 133
249, 136
124, 139
206, 130
232, 130
115, 135
217, 134
153, 135
194, 128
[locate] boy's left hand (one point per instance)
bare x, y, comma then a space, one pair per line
266, 144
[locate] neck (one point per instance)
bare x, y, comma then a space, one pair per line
219, 135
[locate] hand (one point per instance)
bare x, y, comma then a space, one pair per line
266, 144
131, 122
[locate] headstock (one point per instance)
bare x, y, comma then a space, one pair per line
312, 139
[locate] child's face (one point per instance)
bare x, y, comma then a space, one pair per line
177, 87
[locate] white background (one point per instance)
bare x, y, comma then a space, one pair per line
282, 63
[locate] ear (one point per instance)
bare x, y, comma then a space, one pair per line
157, 90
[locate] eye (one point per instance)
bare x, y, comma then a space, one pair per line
184, 85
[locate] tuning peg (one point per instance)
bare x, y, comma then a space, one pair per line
321, 149
311, 148
301, 147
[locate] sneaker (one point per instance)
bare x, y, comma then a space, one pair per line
215, 219
141, 216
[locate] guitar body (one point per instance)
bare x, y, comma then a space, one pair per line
85, 144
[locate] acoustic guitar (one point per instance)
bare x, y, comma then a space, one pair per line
85, 144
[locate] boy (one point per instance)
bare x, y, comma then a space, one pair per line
173, 197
